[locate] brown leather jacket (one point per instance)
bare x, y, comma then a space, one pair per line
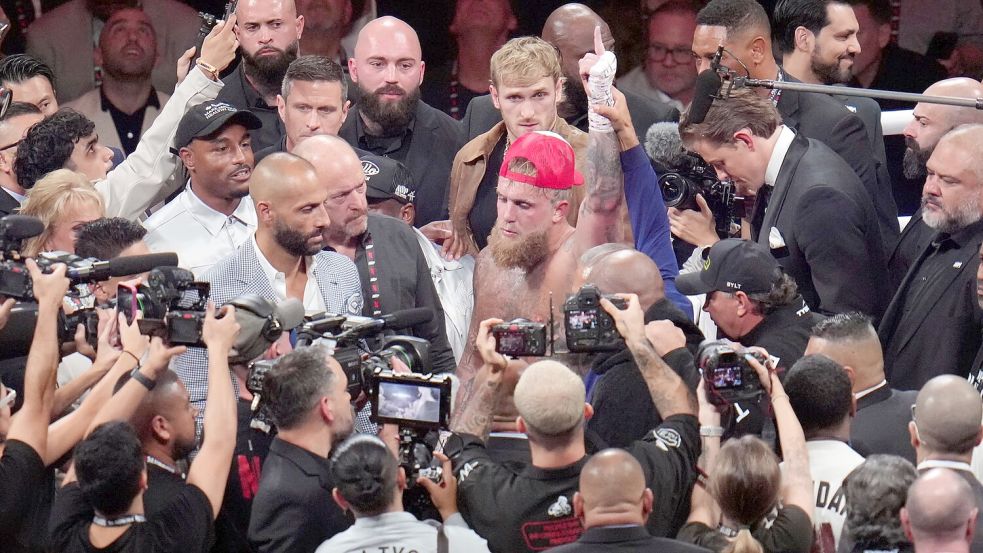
470, 166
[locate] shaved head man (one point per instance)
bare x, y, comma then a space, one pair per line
934, 120
571, 29
940, 514
392, 121
340, 173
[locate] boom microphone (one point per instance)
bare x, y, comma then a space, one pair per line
122, 266
663, 145
19, 227
707, 88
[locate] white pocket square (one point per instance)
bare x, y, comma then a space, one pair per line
775, 240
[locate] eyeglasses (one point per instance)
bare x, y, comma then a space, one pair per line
658, 52
9, 146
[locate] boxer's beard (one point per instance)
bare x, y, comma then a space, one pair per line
522, 253
915, 158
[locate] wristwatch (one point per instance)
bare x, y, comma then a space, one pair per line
207, 68
142, 379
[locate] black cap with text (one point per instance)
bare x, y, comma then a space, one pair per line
732, 265
208, 118
387, 179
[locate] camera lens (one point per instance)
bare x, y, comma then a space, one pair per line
673, 188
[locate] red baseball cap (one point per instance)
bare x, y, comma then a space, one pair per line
550, 154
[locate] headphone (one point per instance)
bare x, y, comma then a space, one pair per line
270, 331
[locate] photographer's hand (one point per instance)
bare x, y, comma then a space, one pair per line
665, 336
630, 321
698, 228
476, 409
219, 334
485, 341
5, 308
49, 289
443, 495
134, 344
219, 48
159, 357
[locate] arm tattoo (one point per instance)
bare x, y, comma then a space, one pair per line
477, 408
669, 393
603, 175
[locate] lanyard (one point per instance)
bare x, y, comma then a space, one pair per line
121, 521
375, 297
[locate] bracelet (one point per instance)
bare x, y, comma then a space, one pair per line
207, 68
711, 431
139, 377
135, 358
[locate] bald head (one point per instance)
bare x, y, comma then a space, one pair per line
627, 271
612, 479
571, 29
940, 505
947, 416
279, 175
958, 87
963, 149
340, 174
382, 33
550, 399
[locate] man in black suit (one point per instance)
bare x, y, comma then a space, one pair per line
293, 510
881, 422
18, 118
392, 121
742, 27
613, 504
818, 42
933, 323
944, 429
570, 28
811, 210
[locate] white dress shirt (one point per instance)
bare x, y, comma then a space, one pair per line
785, 138
197, 233
313, 302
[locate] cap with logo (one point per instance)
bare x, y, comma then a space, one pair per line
551, 155
387, 179
732, 265
207, 118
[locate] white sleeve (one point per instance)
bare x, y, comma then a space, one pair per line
147, 175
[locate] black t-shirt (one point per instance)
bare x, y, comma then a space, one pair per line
162, 487
22, 475
484, 211
789, 532
518, 507
180, 527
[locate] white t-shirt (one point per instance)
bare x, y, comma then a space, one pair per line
401, 531
830, 461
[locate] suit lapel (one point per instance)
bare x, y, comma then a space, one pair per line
8, 204
249, 273
783, 183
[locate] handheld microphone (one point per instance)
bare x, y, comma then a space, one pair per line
403, 318
707, 88
122, 266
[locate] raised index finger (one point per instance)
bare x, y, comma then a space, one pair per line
598, 42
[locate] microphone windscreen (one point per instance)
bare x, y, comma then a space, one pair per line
663, 145
408, 317
290, 313
19, 227
136, 264
707, 87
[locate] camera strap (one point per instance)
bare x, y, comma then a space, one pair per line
121, 521
442, 545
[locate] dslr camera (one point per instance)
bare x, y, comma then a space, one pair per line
173, 305
520, 338
728, 376
588, 326
691, 175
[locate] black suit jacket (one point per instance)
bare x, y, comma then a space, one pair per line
293, 511
832, 248
914, 239
8, 204
881, 423
822, 118
940, 334
635, 539
435, 141
482, 115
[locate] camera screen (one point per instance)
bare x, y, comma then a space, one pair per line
125, 303
410, 402
728, 376
511, 341
582, 320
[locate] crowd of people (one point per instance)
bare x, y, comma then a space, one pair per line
762, 318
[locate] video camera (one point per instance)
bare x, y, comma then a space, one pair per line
173, 305
690, 175
728, 376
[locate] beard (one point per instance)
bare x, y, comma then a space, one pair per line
915, 159
393, 117
964, 213
830, 73
183, 449
266, 72
522, 253
293, 242
574, 96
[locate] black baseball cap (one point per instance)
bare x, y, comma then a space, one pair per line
732, 265
387, 179
207, 118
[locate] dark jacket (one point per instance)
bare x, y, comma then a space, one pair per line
914, 239
624, 538
825, 119
8, 204
482, 115
239, 93
881, 423
293, 511
434, 141
939, 333
833, 248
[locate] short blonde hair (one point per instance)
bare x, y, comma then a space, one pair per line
51, 198
550, 398
525, 60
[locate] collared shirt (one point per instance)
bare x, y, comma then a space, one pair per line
313, 302
128, 125
868, 391
944, 254
237, 91
943, 464
19, 197
197, 233
785, 138
396, 147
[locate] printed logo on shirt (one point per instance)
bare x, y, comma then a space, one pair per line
466, 471
561, 508
668, 437
542, 535
354, 303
